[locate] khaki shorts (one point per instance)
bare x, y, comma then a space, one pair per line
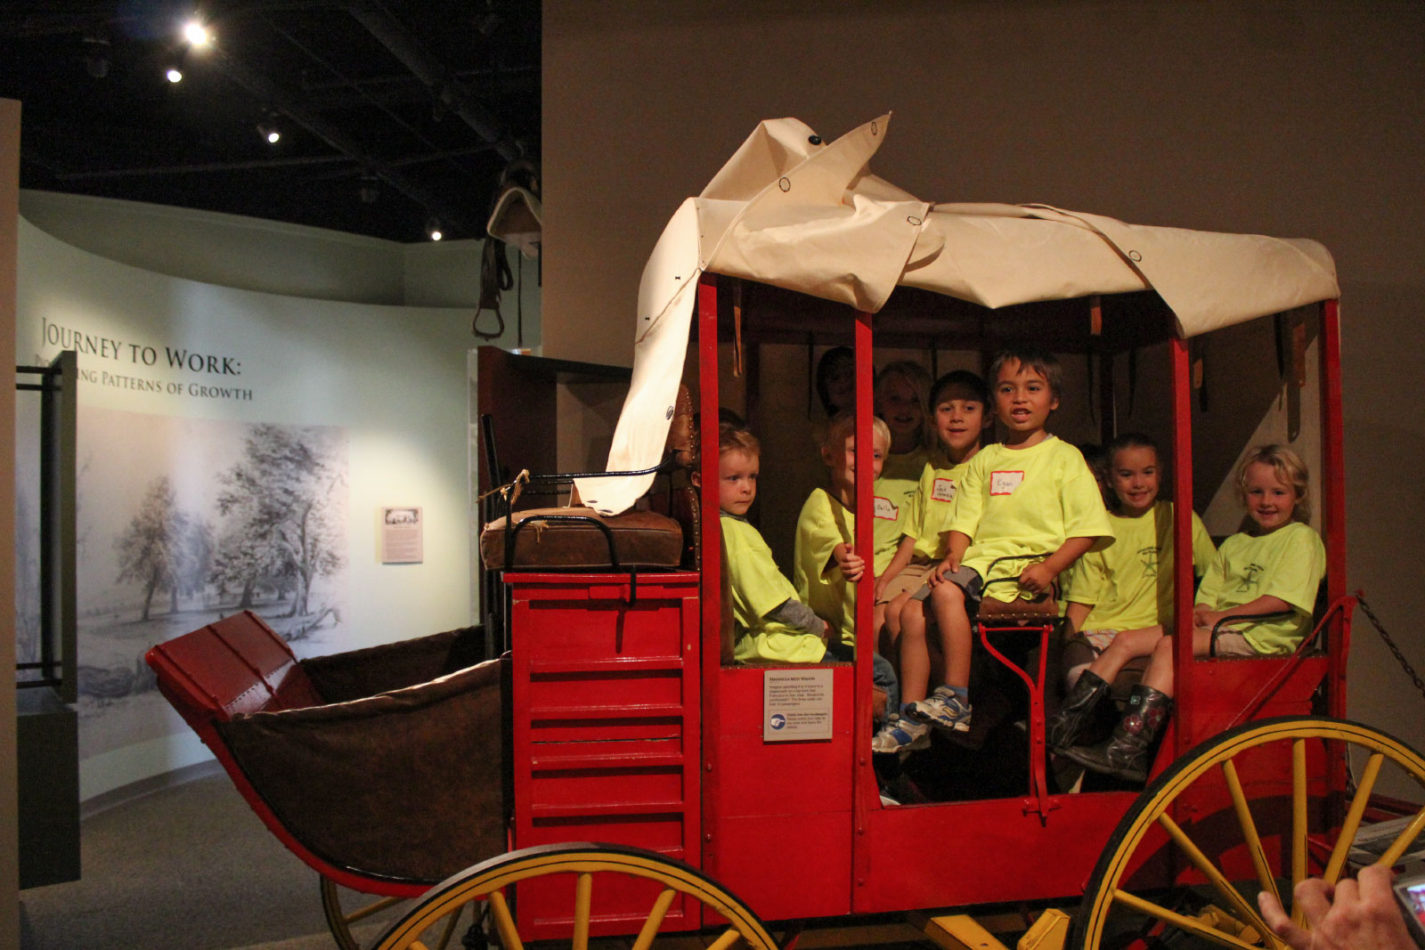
1234, 644
967, 579
1098, 640
911, 577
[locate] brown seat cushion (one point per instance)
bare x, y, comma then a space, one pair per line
572, 538
1041, 608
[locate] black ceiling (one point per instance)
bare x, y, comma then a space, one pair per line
392, 112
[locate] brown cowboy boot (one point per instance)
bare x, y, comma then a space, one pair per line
1125, 754
1064, 729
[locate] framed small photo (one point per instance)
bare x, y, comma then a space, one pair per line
402, 539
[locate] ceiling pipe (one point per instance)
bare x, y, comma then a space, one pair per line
447, 90
288, 104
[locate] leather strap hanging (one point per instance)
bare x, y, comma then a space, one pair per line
737, 329
1197, 356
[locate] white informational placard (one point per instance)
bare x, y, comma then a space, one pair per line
796, 705
401, 537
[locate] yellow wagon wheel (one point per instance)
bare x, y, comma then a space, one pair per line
356, 919
588, 864
1246, 811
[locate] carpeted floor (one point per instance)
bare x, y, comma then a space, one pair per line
186, 867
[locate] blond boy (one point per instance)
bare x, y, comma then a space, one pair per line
826, 565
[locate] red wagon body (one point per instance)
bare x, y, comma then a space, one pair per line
625, 720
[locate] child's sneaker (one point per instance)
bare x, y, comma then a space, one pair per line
900, 734
942, 708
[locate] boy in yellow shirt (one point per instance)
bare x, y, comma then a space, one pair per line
770, 624
826, 565
959, 412
902, 400
1030, 496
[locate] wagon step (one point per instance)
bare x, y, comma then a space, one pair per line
963, 932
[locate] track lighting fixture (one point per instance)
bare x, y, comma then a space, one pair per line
173, 74
196, 35
270, 132
96, 55
369, 189
433, 229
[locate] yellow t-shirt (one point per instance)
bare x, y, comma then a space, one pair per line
823, 524
1129, 585
1287, 563
895, 493
929, 518
1025, 502
757, 589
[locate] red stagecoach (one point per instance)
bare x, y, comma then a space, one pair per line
617, 715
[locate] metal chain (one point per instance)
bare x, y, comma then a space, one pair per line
1400, 657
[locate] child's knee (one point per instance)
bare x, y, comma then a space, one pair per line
947, 594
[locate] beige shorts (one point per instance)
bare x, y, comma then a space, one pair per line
1098, 639
912, 577
1234, 644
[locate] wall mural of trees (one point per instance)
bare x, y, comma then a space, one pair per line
165, 548
189, 520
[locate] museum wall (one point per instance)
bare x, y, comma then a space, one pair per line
1296, 119
200, 403
288, 259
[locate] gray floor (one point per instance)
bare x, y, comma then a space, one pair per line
186, 867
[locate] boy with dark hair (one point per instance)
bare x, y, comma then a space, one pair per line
1030, 499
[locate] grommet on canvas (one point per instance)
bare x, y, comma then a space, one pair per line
913, 219
1134, 256
875, 128
784, 183
814, 139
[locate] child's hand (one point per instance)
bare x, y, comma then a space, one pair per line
825, 632
1036, 578
1205, 617
851, 564
947, 565
879, 589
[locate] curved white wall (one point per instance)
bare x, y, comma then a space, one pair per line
392, 378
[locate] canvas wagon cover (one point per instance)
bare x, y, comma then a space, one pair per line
792, 211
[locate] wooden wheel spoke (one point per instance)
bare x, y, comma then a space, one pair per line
1353, 819
654, 922
1404, 839
728, 939
1188, 924
1245, 911
375, 907
583, 902
505, 921
451, 921
1298, 823
1265, 878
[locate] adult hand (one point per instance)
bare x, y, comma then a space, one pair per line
1359, 914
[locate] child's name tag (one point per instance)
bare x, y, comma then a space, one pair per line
886, 509
943, 490
1004, 483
